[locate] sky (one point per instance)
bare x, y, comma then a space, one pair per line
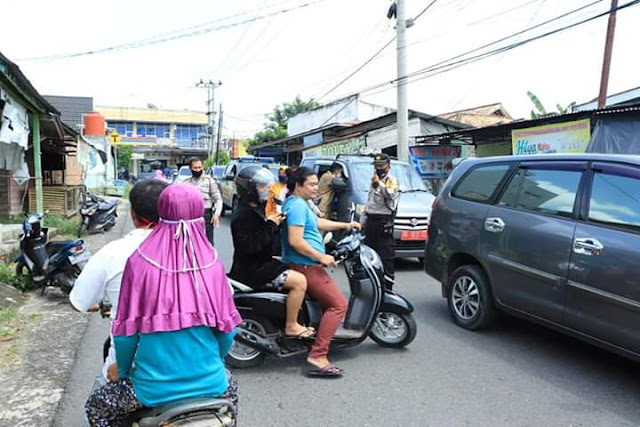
266, 52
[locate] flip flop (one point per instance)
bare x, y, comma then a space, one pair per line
329, 371
304, 335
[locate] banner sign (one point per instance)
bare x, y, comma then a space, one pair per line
434, 161
349, 146
567, 137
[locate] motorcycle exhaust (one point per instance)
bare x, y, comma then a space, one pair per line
256, 341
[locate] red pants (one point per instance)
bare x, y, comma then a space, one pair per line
322, 288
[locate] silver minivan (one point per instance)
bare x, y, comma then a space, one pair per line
553, 238
414, 204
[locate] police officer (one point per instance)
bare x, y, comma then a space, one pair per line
380, 213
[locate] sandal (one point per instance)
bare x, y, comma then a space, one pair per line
329, 371
306, 334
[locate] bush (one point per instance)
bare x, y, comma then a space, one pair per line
65, 226
8, 276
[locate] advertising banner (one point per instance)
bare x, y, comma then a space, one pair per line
434, 161
567, 137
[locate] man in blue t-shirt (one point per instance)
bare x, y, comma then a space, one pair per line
303, 250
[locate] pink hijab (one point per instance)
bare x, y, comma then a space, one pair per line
175, 280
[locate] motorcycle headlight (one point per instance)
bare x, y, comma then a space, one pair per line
371, 256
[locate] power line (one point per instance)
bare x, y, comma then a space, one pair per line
375, 55
167, 37
504, 12
443, 66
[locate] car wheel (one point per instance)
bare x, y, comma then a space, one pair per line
470, 299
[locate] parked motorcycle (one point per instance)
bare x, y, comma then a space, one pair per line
374, 312
55, 263
98, 214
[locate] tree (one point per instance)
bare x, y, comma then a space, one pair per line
541, 111
223, 159
124, 155
276, 127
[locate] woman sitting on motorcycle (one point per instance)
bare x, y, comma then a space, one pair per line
253, 240
175, 320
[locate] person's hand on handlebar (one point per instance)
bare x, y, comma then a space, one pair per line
353, 224
328, 261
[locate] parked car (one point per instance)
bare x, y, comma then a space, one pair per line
216, 172
554, 239
184, 173
414, 204
227, 184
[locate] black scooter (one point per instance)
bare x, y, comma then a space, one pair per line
98, 214
55, 263
373, 312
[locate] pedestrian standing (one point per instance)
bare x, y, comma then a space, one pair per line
326, 190
380, 212
211, 194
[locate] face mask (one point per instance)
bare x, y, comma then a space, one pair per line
381, 172
282, 179
196, 174
263, 194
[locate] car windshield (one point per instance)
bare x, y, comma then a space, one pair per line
408, 178
184, 171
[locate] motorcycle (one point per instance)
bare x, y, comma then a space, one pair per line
373, 312
202, 411
98, 214
49, 263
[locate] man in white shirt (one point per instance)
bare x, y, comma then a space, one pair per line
100, 279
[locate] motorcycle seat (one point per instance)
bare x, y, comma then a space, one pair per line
55, 245
221, 409
107, 205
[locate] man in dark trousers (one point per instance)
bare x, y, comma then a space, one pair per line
379, 215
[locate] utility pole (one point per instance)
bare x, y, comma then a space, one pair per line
211, 113
402, 115
608, 49
219, 134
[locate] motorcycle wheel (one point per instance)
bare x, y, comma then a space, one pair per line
242, 356
22, 271
392, 329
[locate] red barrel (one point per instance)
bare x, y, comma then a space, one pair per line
94, 124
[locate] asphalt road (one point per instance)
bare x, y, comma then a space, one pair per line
516, 374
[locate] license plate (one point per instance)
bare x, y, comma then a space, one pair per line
413, 235
83, 256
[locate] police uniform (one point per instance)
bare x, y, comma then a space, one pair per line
378, 228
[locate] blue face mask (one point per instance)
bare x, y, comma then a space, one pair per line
262, 195
282, 179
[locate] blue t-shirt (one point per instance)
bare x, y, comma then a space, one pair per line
299, 214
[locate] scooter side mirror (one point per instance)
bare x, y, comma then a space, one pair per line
327, 238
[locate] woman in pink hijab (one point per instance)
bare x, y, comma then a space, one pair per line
175, 320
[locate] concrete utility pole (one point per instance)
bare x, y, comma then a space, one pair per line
606, 62
403, 109
219, 135
211, 113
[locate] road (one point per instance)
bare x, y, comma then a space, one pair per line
516, 374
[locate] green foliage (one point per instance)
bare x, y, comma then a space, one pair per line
276, 127
223, 159
541, 111
65, 226
8, 276
124, 156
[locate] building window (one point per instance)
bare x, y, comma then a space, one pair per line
123, 128
190, 136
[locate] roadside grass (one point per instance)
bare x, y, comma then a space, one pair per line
12, 325
8, 276
66, 226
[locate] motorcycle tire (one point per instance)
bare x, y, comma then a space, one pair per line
385, 327
22, 271
242, 356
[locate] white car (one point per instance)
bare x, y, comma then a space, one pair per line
184, 173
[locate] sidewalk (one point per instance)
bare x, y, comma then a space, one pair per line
32, 388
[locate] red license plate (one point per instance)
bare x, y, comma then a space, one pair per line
413, 235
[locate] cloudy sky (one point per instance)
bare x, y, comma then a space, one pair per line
266, 52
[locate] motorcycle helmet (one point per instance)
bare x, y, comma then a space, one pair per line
253, 183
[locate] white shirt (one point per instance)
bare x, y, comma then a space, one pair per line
101, 277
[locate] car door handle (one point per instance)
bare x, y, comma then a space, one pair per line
587, 246
494, 225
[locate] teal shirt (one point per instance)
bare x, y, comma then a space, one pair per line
299, 214
168, 366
